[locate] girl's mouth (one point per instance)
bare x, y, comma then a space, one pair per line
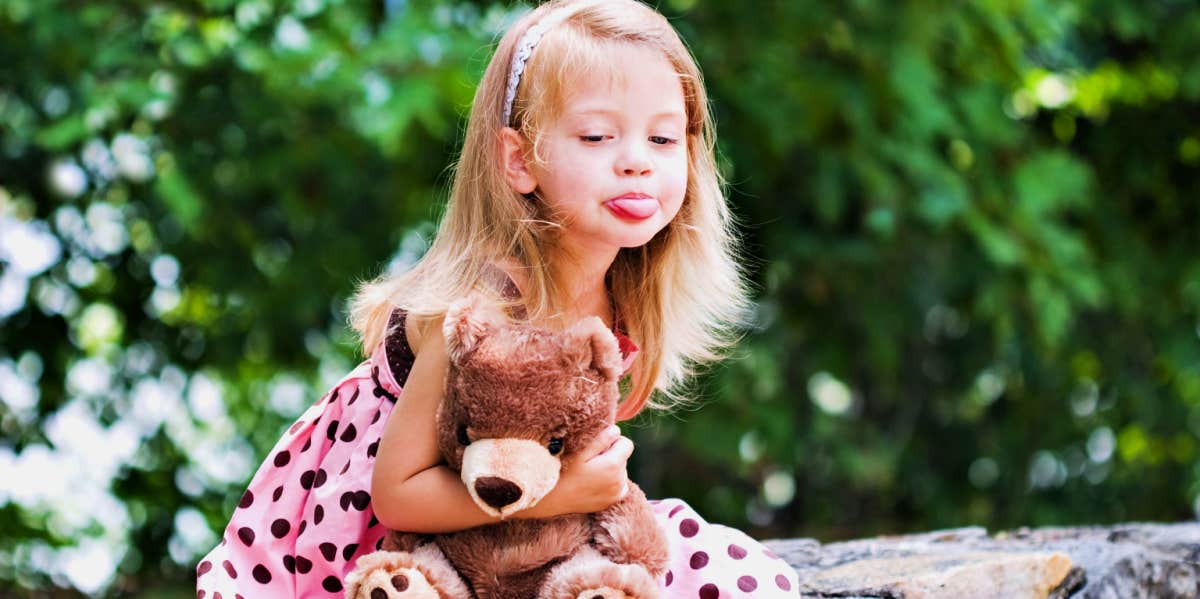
633, 207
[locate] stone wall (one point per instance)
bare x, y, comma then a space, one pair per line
1119, 562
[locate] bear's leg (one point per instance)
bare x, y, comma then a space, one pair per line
424, 573
627, 533
590, 575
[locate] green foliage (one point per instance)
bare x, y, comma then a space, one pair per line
972, 229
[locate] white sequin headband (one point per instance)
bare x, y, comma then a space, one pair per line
524, 49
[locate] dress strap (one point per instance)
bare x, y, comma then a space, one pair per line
397, 353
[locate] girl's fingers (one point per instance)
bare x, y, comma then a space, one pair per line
604, 442
620, 450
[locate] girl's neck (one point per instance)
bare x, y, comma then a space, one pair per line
582, 283
583, 279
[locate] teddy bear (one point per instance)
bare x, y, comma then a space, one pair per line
521, 403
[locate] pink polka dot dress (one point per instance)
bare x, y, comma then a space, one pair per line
306, 516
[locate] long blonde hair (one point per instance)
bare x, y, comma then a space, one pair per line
681, 296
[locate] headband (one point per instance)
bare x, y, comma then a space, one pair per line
524, 49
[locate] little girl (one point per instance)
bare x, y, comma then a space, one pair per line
587, 186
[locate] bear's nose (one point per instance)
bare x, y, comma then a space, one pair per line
496, 491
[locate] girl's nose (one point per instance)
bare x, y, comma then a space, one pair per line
633, 160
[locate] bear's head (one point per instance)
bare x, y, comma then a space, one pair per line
521, 402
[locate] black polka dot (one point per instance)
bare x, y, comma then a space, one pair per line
782, 582
699, 560
670, 578
689, 528
321, 477
306, 479
374, 522
303, 525
349, 434
277, 494
318, 514
282, 458
373, 448
378, 593
361, 500
674, 510
289, 563
345, 468
736, 551
328, 551
303, 564
204, 567
229, 569
375, 418
353, 397
331, 584
379, 544
216, 596
262, 574
307, 444
280, 528
247, 499
349, 550
747, 583
709, 591
345, 500
331, 432
200, 594
246, 535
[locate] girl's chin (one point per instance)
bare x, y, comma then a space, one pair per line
620, 235
636, 241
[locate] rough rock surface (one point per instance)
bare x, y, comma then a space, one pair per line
1128, 561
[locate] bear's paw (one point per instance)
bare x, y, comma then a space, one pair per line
589, 575
389, 575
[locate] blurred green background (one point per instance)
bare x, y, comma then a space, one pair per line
972, 227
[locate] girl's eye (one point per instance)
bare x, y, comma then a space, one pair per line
463, 437
592, 138
662, 141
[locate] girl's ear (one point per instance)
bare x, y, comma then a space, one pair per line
512, 159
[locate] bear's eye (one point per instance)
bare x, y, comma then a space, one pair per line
555, 446
463, 438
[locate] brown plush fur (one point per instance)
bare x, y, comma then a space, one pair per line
516, 391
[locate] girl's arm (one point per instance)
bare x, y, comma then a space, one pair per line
412, 491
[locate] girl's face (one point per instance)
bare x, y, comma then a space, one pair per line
615, 162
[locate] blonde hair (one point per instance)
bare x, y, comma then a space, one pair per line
681, 296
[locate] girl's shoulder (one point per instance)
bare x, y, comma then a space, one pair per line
408, 333
501, 276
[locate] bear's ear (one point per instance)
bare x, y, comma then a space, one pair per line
600, 347
468, 321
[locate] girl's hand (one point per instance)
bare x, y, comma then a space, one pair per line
595, 480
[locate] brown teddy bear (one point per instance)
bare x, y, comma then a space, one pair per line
521, 402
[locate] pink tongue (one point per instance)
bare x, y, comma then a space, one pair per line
640, 208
